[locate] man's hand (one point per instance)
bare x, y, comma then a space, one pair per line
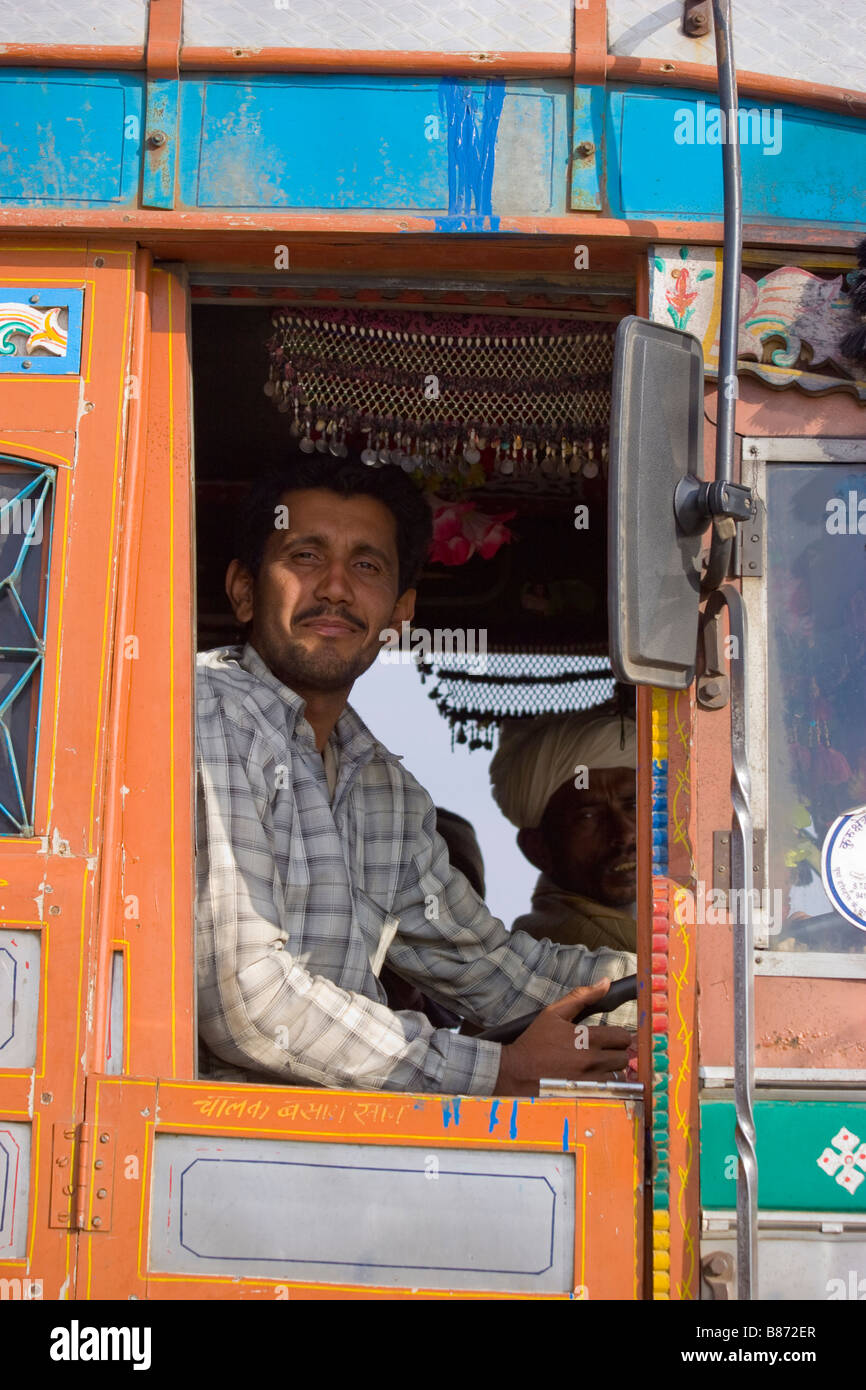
551, 1046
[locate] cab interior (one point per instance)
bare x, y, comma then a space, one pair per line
540, 601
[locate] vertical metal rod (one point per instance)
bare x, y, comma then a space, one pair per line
722, 539
733, 242
742, 875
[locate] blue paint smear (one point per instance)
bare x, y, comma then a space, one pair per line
446, 1113
494, 1117
565, 1136
472, 122
512, 1129
456, 1104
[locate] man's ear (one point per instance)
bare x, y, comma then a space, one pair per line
239, 587
404, 608
534, 847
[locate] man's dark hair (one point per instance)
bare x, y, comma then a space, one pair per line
346, 478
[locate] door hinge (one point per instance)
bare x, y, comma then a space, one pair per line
722, 876
749, 543
82, 1177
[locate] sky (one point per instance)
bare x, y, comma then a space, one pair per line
396, 708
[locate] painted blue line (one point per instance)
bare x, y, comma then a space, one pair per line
472, 135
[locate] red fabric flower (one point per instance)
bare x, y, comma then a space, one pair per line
460, 530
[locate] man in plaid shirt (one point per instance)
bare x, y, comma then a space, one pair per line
317, 852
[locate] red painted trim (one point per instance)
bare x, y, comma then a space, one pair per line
402, 63
753, 84
587, 226
164, 38
590, 42
70, 55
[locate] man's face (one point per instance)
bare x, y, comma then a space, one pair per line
326, 588
590, 837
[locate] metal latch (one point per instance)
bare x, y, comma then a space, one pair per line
82, 1177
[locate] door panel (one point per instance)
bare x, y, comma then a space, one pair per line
71, 420
230, 1191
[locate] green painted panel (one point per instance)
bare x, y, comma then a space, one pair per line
804, 1148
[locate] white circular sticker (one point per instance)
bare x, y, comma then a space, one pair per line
843, 866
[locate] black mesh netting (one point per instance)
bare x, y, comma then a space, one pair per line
476, 692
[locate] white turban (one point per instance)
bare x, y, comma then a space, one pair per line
537, 756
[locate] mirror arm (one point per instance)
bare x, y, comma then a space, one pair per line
719, 556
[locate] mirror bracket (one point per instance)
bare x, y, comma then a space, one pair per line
713, 685
696, 503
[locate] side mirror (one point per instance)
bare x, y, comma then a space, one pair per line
656, 442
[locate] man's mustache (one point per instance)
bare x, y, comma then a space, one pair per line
342, 617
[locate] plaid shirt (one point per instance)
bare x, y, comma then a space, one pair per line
300, 900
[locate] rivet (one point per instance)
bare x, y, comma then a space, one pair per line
752, 565
97, 1221
62, 1162
100, 1163
67, 1191
88, 406
63, 1216
34, 299
102, 1192
104, 1138
54, 910
99, 262
157, 139
25, 366
69, 1134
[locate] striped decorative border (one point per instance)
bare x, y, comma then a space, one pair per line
661, 1235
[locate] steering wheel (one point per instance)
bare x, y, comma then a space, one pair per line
619, 993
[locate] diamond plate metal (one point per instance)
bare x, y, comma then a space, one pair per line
545, 26
86, 22
789, 38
